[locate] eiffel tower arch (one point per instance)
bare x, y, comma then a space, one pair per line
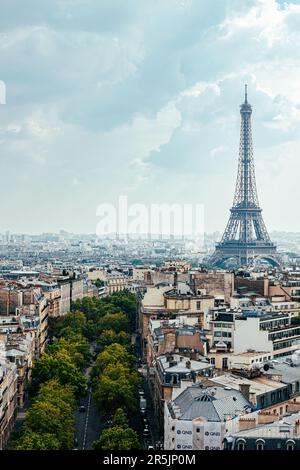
245, 238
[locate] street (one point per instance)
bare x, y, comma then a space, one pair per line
87, 423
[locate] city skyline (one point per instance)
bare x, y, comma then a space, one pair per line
177, 118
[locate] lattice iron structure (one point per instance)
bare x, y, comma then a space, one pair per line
245, 237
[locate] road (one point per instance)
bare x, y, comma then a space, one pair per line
88, 423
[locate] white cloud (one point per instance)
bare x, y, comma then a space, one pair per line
266, 18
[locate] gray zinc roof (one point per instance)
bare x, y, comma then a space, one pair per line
213, 403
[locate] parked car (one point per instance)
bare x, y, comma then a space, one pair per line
75, 442
82, 409
143, 403
146, 432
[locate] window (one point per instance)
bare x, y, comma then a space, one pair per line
198, 307
290, 445
260, 444
273, 397
174, 379
224, 363
241, 444
212, 360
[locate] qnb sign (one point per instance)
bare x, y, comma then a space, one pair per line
212, 433
2, 92
184, 432
184, 447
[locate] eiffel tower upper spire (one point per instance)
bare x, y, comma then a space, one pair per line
245, 192
245, 235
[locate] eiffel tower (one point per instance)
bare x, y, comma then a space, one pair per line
245, 238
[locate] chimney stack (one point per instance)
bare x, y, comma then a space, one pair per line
245, 391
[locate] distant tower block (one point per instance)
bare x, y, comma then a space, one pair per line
245, 238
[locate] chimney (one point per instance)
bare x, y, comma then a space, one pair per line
265, 417
245, 390
188, 364
246, 423
175, 279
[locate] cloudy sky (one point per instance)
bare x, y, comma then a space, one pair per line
141, 98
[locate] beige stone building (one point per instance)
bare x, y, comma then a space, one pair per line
219, 284
8, 399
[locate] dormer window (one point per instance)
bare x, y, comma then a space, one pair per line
241, 444
290, 444
260, 444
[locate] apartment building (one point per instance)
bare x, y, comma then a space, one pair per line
200, 417
271, 332
172, 374
8, 398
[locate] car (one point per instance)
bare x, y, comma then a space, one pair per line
75, 442
82, 409
150, 448
141, 393
146, 432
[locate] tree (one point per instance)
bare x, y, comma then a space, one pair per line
76, 320
114, 321
99, 283
52, 412
119, 436
58, 365
116, 388
50, 421
109, 337
126, 301
113, 354
76, 345
30, 440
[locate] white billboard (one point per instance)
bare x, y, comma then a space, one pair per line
184, 435
213, 435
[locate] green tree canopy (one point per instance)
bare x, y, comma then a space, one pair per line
116, 388
114, 321
108, 337
119, 436
59, 365
113, 354
76, 345
30, 440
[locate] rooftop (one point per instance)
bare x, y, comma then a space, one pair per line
259, 385
213, 403
177, 363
